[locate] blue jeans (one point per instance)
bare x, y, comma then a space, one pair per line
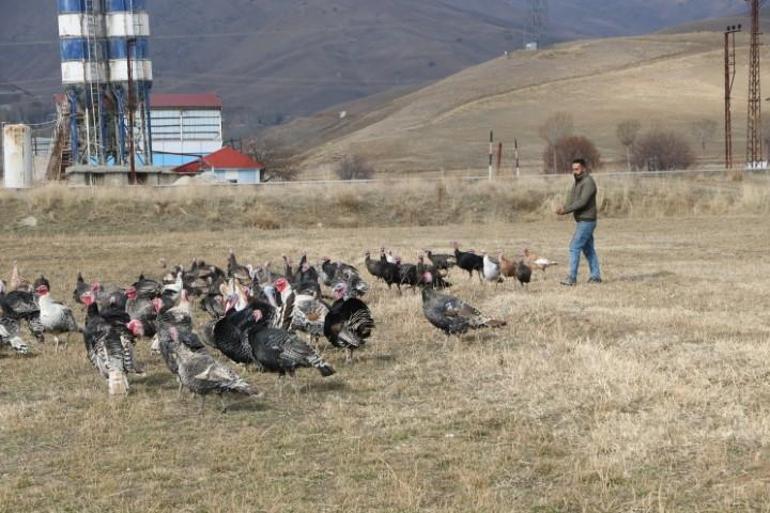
583, 241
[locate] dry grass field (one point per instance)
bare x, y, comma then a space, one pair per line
650, 392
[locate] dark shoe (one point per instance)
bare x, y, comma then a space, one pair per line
568, 282
594, 280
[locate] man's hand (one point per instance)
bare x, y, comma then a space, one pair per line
560, 211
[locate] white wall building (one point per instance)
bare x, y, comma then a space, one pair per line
184, 127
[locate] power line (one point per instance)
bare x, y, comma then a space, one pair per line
211, 35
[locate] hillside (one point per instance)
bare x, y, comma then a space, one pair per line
273, 61
662, 80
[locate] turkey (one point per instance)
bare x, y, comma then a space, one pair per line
300, 311
107, 347
391, 273
226, 334
333, 270
373, 266
146, 288
81, 287
538, 262
305, 280
213, 301
468, 261
407, 274
20, 305
424, 270
19, 283
356, 286
179, 317
389, 258
55, 317
523, 273
237, 271
200, 373
453, 316
441, 261
10, 335
172, 289
349, 322
491, 269
140, 308
282, 352
106, 295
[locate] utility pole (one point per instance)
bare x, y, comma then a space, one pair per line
130, 43
754, 132
729, 80
538, 19
491, 151
516, 156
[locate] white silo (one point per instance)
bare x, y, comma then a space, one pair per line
17, 156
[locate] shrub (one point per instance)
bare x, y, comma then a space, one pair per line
566, 150
353, 167
662, 150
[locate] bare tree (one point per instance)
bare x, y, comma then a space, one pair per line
661, 150
274, 158
704, 131
627, 132
353, 167
570, 148
557, 127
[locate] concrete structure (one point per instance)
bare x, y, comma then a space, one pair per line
17, 156
185, 127
107, 75
228, 166
118, 176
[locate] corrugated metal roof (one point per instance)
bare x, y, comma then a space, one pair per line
226, 158
207, 100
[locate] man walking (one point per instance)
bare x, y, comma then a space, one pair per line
582, 204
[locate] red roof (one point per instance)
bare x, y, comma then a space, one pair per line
202, 100
226, 158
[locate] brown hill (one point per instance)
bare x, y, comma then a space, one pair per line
273, 60
663, 80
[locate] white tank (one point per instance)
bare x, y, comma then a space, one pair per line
17, 156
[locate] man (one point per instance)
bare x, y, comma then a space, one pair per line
582, 204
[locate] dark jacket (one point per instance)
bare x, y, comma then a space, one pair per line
582, 199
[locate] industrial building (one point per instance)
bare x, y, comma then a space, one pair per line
185, 127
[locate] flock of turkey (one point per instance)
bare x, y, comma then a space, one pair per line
269, 320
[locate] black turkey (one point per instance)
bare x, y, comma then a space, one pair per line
441, 261
452, 315
140, 307
81, 287
349, 322
468, 261
523, 273
279, 351
107, 347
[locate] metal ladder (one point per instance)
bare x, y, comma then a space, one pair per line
95, 144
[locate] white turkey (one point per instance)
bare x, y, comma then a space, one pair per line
56, 318
491, 269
